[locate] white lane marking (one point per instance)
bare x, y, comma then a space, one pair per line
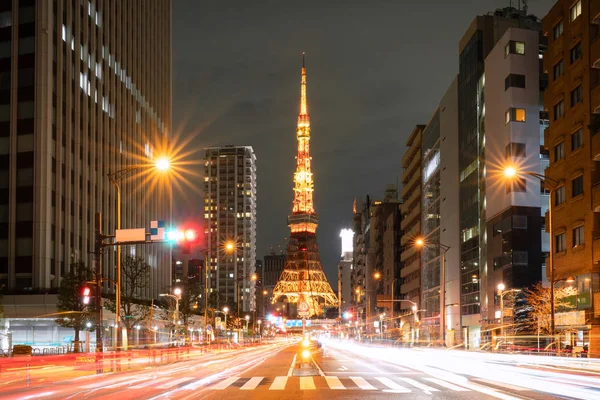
502, 384
343, 368
393, 385
292, 366
362, 383
169, 385
490, 391
252, 383
107, 383
279, 383
447, 385
334, 383
424, 388
307, 383
150, 382
225, 383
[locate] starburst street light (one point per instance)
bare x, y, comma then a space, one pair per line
163, 164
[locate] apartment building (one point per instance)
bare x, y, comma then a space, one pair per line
230, 215
572, 101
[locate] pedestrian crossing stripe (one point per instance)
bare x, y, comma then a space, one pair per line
396, 385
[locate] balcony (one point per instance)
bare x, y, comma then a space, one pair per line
410, 218
410, 286
410, 268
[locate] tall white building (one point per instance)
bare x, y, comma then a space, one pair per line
345, 270
230, 214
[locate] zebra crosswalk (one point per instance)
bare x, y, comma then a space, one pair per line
395, 384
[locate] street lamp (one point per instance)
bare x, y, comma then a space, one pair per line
510, 173
162, 164
502, 293
177, 296
421, 243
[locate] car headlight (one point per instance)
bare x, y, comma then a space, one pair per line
306, 343
305, 354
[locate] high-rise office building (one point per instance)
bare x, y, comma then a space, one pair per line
345, 268
572, 101
85, 89
230, 215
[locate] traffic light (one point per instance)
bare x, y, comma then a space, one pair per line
86, 293
183, 239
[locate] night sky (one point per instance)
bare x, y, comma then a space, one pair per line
376, 68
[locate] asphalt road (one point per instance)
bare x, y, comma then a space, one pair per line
347, 371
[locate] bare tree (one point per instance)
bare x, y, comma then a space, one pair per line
135, 274
535, 311
70, 302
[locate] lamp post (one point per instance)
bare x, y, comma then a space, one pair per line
381, 316
421, 243
177, 296
162, 164
512, 173
503, 293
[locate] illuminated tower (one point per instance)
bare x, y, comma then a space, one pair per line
303, 280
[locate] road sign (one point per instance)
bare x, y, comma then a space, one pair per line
209, 328
303, 313
157, 230
303, 306
130, 235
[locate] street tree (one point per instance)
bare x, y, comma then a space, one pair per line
74, 313
534, 311
135, 276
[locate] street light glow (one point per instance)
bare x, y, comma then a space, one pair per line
177, 291
419, 242
501, 287
510, 172
229, 246
377, 275
163, 164
225, 310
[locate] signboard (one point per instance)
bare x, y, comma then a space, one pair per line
303, 313
384, 300
208, 328
218, 322
303, 306
296, 323
130, 235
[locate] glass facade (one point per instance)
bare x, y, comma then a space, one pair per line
430, 224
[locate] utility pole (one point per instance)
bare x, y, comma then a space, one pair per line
98, 264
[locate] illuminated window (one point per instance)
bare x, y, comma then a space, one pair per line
576, 52
558, 69
559, 151
559, 195
575, 11
577, 186
560, 242
559, 110
515, 115
576, 96
513, 47
557, 30
577, 139
578, 236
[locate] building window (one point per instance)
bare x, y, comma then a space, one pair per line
559, 195
5, 19
557, 30
577, 186
520, 258
558, 69
576, 52
513, 47
578, 236
577, 139
560, 242
26, 45
576, 96
515, 114
559, 151
515, 150
514, 80
519, 221
559, 110
516, 184
575, 11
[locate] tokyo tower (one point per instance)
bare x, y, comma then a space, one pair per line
303, 280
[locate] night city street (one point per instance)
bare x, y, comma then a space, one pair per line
347, 371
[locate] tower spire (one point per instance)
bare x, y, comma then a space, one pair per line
303, 117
